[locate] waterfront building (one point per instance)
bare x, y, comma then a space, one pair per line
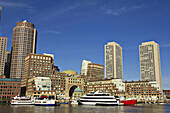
113, 61
84, 67
70, 72
73, 82
7, 64
56, 69
77, 94
143, 90
167, 93
150, 67
115, 87
91, 71
85, 79
9, 88
23, 43
3, 45
37, 65
95, 71
38, 86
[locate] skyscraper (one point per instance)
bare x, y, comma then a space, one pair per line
3, 45
84, 67
23, 43
113, 61
150, 67
7, 64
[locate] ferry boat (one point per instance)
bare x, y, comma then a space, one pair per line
18, 100
44, 101
99, 99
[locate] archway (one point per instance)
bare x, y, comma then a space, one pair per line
71, 91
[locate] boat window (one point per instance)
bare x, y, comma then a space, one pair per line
89, 94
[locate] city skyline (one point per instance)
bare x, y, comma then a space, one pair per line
68, 36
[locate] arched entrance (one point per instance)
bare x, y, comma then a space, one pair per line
71, 91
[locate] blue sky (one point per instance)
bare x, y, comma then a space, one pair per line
73, 30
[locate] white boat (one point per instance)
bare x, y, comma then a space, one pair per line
74, 102
99, 99
44, 101
18, 100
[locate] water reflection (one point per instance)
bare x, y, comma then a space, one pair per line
141, 108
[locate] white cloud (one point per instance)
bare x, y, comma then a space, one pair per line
165, 45
54, 32
116, 11
117, 8
13, 4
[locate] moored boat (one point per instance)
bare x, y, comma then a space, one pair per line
18, 100
99, 99
74, 102
44, 101
128, 102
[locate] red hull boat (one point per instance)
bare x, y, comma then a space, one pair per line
128, 102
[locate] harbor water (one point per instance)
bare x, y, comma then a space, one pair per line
67, 108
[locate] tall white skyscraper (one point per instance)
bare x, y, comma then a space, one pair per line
150, 67
84, 67
113, 61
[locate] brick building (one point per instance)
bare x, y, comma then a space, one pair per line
115, 87
37, 65
142, 90
9, 88
95, 71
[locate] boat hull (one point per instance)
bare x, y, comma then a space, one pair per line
99, 103
44, 104
21, 103
128, 102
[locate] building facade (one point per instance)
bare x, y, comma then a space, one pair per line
9, 88
113, 61
37, 65
73, 82
3, 45
167, 94
150, 67
7, 64
38, 86
23, 43
95, 71
115, 87
142, 90
84, 67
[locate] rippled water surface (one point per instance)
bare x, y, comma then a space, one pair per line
142, 108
